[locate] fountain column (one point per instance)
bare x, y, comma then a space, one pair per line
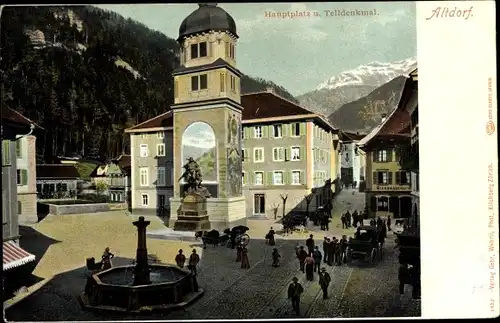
141, 272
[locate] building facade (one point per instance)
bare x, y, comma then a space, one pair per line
113, 179
14, 127
26, 178
352, 160
56, 181
410, 151
388, 185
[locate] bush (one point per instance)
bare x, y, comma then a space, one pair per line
96, 198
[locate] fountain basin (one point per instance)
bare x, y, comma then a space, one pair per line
113, 290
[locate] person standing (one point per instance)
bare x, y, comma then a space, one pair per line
297, 250
326, 243
343, 248
348, 219
276, 258
106, 259
180, 259
309, 262
239, 247
331, 251
310, 244
342, 219
194, 259
338, 252
270, 239
389, 223
245, 263
317, 259
324, 281
403, 277
295, 290
302, 258
355, 218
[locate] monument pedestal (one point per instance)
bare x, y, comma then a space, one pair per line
222, 213
191, 214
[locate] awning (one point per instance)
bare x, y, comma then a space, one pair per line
15, 256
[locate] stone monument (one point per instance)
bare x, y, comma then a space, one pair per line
193, 215
141, 270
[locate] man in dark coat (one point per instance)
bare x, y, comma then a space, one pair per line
180, 259
343, 248
310, 244
337, 252
331, 251
194, 259
324, 281
326, 243
295, 290
355, 218
403, 277
317, 259
379, 222
348, 219
343, 220
389, 223
325, 220
302, 258
233, 239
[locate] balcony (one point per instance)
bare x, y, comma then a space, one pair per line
116, 182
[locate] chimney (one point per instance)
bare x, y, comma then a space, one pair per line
269, 89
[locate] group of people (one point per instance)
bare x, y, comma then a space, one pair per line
351, 220
194, 259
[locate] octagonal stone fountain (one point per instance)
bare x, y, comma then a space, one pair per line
141, 287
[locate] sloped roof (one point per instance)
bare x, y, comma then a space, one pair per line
57, 171
16, 117
163, 120
261, 105
218, 63
122, 161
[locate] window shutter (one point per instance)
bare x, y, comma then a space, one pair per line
301, 153
245, 132
389, 154
375, 179
302, 177
24, 177
250, 178
286, 177
285, 130
288, 153
18, 149
389, 178
302, 128
6, 152
222, 82
265, 130
398, 178
269, 178
373, 204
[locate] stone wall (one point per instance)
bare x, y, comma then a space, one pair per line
78, 208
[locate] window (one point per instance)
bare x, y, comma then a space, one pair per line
382, 178
382, 156
244, 178
258, 155
161, 135
222, 82
242, 132
295, 177
19, 151
22, 177
19, 207
199, 82
144, 178
161, 200
39, 188
199, 50
231, 50
257, 132
233, 83
259, 204
277, 131
6, 152
144, 150
259, 178
382, 203
278, 178
278, 154
403, 178
145, 200
160, 150
295, 129
295, 153
161, 179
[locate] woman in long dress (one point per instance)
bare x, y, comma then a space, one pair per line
309, 267
238, 252
106, 259
270, 237
245, 264
276, 258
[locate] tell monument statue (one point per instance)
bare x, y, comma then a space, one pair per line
193, 178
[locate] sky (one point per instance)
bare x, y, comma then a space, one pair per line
300, 53
199, 134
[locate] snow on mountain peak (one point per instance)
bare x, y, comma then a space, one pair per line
372, 74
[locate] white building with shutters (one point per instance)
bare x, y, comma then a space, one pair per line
26, 179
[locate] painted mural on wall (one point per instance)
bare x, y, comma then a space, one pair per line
198, 142
234, 165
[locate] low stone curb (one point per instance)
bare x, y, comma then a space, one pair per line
31, 290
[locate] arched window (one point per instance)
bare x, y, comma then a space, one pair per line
382, 203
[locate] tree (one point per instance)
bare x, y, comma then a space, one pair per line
101, 187
275, 208
284, 197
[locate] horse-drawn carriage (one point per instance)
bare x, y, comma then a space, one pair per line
230, 237
367, 245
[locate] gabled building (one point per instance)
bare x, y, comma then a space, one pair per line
56, 181
15, 127
388, 186
113, 178
410, 150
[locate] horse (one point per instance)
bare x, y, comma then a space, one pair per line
208, 237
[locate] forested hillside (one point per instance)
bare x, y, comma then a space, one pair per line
85, 74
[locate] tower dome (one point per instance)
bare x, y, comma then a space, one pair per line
207, 17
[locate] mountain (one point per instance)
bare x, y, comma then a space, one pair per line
85, 74
364, 114
351, 85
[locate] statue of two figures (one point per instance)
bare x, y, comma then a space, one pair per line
192, 177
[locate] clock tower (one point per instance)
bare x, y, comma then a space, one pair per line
207, 114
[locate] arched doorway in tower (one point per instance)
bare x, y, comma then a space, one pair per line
406, 206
